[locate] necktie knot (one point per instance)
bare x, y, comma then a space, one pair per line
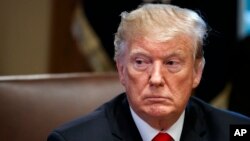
162, 137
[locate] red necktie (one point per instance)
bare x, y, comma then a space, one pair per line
162, 137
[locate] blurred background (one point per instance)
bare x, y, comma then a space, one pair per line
25, 36
39, 37
53, 36
61, 36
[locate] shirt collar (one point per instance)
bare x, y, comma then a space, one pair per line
148, 133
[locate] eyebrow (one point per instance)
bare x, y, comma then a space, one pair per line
141, 52
176, 53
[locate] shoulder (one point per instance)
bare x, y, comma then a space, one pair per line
206, 122
82, 128
215, 114
96, 122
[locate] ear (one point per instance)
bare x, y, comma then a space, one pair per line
198, 69
121, 71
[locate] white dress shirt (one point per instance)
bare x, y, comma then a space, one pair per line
148, 133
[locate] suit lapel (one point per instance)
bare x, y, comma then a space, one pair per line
124, 127
194, 128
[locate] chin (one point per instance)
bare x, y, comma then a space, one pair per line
159, 111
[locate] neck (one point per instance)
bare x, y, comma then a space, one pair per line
161, 123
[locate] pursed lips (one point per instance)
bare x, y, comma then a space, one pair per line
157, 99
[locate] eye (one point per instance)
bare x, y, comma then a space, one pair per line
173, 65
141, 63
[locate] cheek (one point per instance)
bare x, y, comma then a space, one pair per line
135, 80
180, 89
182, 86
136, 83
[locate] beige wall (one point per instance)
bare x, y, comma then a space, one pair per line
24, 36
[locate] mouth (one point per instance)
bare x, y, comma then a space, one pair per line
157, 99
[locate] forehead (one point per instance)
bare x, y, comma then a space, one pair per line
178, 45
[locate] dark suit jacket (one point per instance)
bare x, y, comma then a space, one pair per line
113, 122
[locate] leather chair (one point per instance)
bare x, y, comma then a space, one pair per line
31, 106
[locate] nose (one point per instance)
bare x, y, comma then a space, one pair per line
156, 76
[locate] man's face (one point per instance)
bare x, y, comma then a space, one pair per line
159, 76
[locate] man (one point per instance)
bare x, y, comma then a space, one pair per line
159, 57
222, 37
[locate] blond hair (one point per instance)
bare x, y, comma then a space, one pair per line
160, 22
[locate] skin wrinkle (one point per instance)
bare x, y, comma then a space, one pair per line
157, 101
159, 60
